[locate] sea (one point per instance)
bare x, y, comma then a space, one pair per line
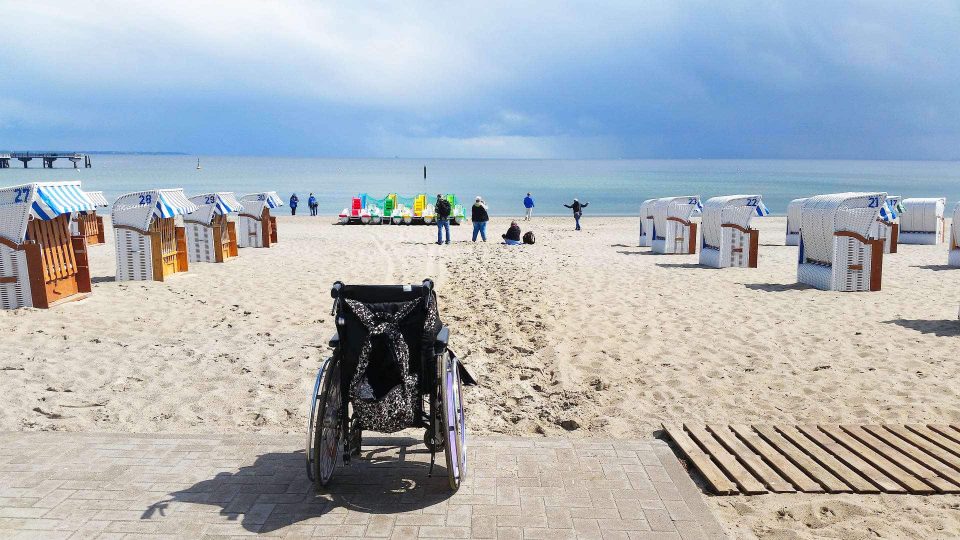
611, 187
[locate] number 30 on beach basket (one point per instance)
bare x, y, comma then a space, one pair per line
41, 264
255, 226
150, 245
211, 235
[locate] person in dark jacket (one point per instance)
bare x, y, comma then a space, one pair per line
294, 200
480, 217
512, 238
528, 204
442, 209
312, 202
577, 211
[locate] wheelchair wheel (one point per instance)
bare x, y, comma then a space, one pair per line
454, 422
314, 400
326, 443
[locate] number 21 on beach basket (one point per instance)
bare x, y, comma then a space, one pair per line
255, 226
150, 244
838, 249
90, 224
41, 264
211, 234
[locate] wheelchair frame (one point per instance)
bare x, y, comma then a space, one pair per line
332, 433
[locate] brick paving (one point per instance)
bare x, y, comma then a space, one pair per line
76, 485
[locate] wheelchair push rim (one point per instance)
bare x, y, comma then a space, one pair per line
328, 431
454, 423
314, 400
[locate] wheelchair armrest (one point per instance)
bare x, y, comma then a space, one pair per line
335, 340
443, 337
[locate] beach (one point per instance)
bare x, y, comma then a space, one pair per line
581, 335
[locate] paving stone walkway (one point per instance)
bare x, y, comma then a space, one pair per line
75, 485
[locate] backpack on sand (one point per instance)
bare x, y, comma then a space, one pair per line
529, 238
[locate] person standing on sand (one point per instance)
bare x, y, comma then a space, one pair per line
442, 209
294, 200
528, 204
312, 203
480, 217
577, 211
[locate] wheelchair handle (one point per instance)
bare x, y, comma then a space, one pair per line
335, 291
428, 284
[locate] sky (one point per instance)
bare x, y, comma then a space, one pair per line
494, 79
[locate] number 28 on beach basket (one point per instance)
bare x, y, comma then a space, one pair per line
255, 226
211, 235
41, 264
150, 244
90, 224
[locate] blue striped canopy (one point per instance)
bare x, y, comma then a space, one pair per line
171, 204
273, 201
54, 199
762, 209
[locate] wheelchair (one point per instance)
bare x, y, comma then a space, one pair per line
391, 369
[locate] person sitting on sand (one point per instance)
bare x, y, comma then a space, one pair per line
512, 238
294, 200
480, 217
577, 211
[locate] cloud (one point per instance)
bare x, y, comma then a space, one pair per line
574, 79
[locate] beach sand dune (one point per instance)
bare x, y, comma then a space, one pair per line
582, 334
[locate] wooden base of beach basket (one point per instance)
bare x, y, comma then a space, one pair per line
49, 268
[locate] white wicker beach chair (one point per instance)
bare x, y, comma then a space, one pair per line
836, 251
954, 256
888, 224
922, 221
211, 231
646, 223
793, 221
673, 231
255, 226
727, 239
41, 263
90, 224
150, 243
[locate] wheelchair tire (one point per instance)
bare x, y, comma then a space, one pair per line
326, 443
454, 422
314, 400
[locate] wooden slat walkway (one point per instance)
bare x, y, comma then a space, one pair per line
739, 459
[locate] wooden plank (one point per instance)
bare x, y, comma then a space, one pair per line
901, 459
900, 476
936, 438
826, 459
918, 453
946, 432
68, 244
717, 481
855, 462
927, 446
728, 463
796, 456
750, 460
779, 463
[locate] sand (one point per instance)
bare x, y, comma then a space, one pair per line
583, 334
